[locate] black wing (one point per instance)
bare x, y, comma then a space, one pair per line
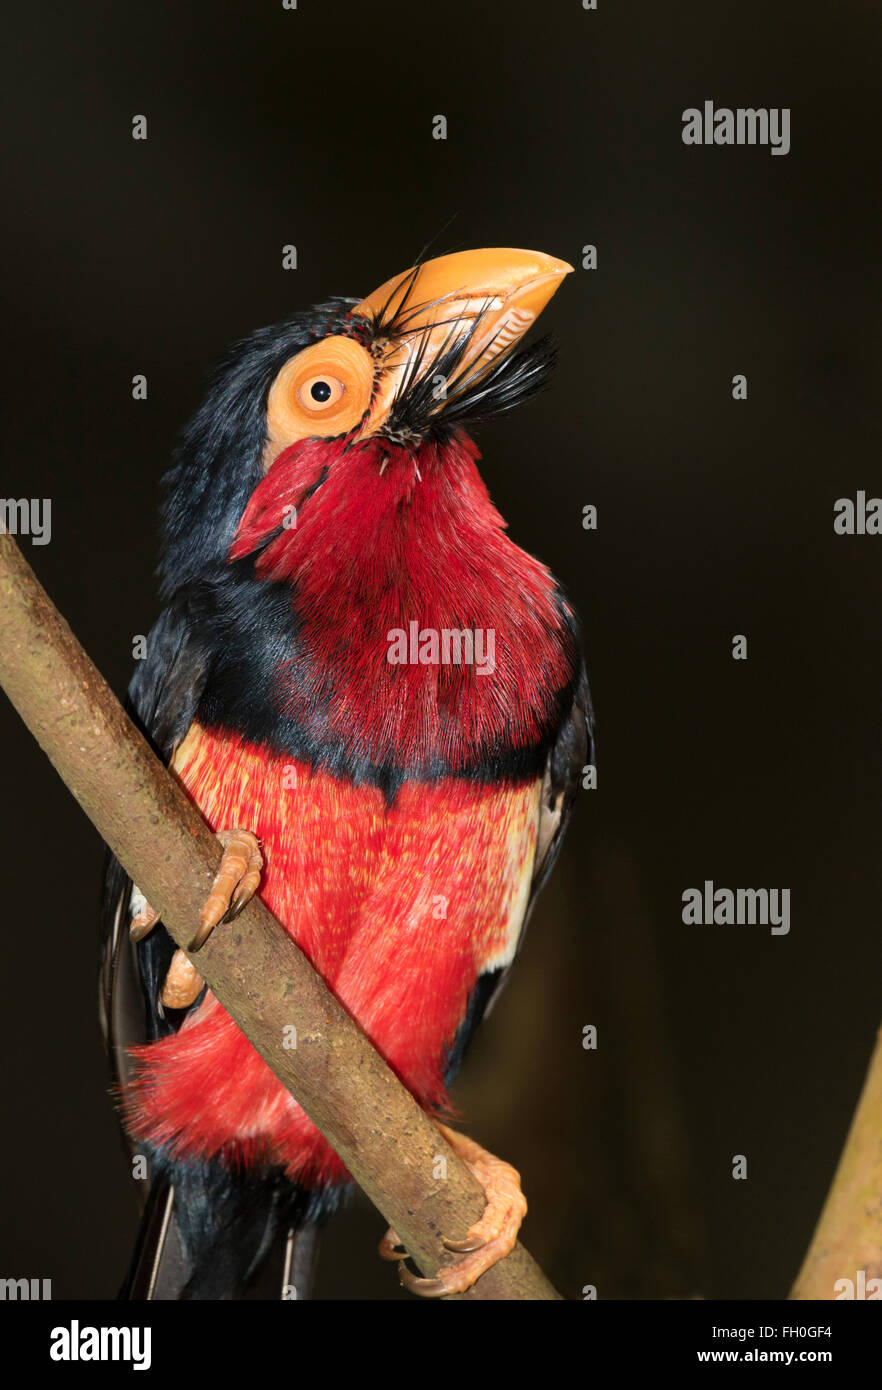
207, 1232
163, 698
572, 751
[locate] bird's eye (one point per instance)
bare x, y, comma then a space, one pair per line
320, 392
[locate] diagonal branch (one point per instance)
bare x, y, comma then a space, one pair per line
848, 1237
260, 977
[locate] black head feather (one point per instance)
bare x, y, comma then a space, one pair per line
217, 464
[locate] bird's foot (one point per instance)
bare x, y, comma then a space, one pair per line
183, 983
485, 1243
235, 884
145, 919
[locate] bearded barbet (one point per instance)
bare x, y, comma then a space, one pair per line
378, 703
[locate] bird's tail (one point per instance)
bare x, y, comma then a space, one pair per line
214, 1232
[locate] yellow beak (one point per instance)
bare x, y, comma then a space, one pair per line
491, 296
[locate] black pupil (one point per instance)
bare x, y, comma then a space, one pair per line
320, 391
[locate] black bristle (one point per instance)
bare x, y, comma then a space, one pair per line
476, 392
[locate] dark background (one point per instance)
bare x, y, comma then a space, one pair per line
314, 127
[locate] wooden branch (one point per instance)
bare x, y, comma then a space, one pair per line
848, 1237
264, 982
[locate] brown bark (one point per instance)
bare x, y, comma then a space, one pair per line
848, 1237
260, 977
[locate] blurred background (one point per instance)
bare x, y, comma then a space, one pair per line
314, 127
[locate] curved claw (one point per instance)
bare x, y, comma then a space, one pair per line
390, 1247
202, 934
426, 1288
239, 902
467, 1246
394, 1253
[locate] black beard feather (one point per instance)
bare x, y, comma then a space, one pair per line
472, 395
473, 392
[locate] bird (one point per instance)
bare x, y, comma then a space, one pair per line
379, 704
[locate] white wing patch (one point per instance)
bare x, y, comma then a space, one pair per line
521, 857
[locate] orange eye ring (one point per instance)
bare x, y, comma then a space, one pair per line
323, 390
320, 392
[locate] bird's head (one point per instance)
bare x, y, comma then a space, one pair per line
430, 350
